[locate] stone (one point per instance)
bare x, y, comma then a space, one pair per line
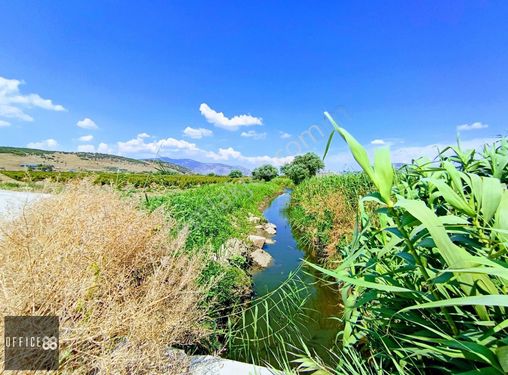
258, 241
253, 219
270, 225
232, 248
269, 241
261, 258
208, 365
270, 230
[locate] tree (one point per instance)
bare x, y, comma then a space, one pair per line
303, 167
265, 172
235, 173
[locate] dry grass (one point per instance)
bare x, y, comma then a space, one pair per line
122, 289
332, 206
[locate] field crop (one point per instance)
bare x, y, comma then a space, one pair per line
136, 180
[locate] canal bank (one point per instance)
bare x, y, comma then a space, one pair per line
292, 305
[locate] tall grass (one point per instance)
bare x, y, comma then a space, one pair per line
324, 210
424, 280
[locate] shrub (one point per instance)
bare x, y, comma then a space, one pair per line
235, 173
122, 288
265, 172
303, 167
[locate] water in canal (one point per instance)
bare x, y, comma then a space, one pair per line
322, 301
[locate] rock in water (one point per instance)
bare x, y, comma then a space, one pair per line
258, 241
270, 230
261, 258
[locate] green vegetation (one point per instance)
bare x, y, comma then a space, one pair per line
303, 167
137, 180
23, 151
235, 173
265, 172
215, 213
324, 210
424, 280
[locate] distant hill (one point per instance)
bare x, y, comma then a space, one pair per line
18, 158
206, 168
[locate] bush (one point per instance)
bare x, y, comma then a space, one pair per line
266, 172
303, 167
235, 173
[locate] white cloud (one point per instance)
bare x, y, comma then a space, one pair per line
232, 154
406, 154
86, 138
233, 123
176, 147
48, 144
13, 103
138, 145
377, 142
197, 133
4, 124
87, 123
103, 148
474, 126
284, 135
253, 134
86, 148
144, 135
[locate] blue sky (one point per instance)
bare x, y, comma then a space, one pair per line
134, 76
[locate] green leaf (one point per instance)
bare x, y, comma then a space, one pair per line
356, 148
498, 271
359, 281
502, 356
487, 300
492, 193
328, 144
501, 220
454, 256
383, 169
452, 197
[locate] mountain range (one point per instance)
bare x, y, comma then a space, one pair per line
206, 168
